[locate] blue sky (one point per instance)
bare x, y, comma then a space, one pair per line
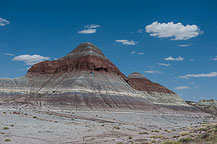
172, 42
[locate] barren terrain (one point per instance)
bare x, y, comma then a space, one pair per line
25, 125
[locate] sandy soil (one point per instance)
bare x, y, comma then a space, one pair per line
52, 126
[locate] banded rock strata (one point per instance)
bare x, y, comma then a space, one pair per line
85, 79
158, 94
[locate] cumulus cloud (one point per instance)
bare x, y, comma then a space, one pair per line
89, 29
3, 22
126, 42
181, 87
173, 31
140, 53
152, 71
30, 59
164, 64
184, 45
170, 58
211, 74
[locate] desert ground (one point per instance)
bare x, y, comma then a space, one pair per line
25, 125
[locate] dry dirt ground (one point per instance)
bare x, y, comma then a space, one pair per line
53, 126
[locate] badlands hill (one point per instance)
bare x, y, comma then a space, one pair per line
86, 79
208, 106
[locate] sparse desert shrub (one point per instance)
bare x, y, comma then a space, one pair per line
214, 140
176, 136
120, 143
170, 142
12, 125
147, 143
158, 137
202, 129
169, 131
185, 140
205, 135
184, 133
157, 131
5, 128
116, 127
7, 140
130, 137
146, 133
215, 130
34, 117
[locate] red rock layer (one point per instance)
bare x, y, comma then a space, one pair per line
141, 83
86, 57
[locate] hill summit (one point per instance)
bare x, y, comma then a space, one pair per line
86, 79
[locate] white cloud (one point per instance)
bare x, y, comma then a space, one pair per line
181, 87
173, 31
3, 22
164, 64
139, 53
184, 45
89, 29
140, 30
92, 26
215, 58
9, 54
170, 58
152, 71
211, 74
191, 59
133, 52
126, 42
30, 59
